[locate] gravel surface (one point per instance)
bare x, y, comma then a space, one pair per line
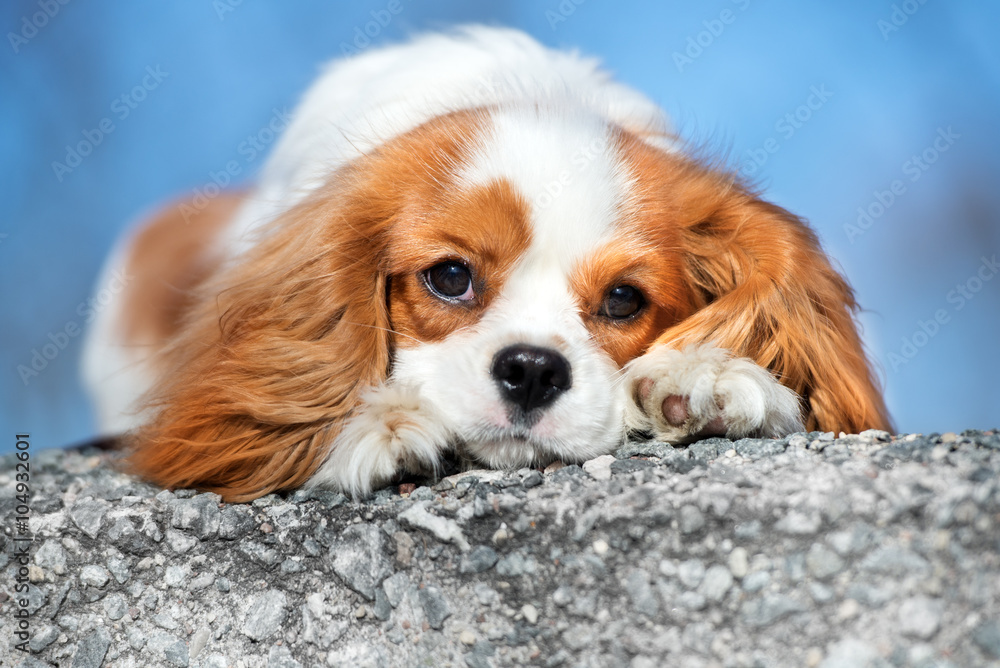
848, 552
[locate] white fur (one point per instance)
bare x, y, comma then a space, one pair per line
115, 373
395, 429
749, 399
361, 102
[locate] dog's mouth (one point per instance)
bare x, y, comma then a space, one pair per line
522, 422
510, 448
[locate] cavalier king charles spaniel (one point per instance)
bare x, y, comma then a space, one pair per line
467, 244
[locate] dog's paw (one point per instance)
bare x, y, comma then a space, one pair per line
393, 431
682, 395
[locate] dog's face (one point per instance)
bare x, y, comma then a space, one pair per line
519, 290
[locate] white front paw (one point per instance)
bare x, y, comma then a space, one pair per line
681, 395
393, 431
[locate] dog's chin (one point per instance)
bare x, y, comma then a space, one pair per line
517, 448
512, 450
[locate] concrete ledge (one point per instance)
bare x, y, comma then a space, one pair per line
846, 552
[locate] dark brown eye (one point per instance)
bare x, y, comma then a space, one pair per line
450, 280
622, 301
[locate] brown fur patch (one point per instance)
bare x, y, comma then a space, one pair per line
167, 259
642, 263
486, 229
762, 286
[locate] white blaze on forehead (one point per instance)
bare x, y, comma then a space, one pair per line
567, 168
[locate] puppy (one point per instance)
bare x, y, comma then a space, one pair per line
467, 243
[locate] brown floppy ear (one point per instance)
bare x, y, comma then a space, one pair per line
275, 354
284, 342
767, 291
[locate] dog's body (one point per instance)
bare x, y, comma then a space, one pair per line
467, 242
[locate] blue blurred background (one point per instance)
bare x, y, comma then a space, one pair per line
875, 120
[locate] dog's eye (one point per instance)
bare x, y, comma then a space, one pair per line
622, 301
450, 280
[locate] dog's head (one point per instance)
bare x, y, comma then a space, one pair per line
505, 263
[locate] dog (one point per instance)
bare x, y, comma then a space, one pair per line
471, 244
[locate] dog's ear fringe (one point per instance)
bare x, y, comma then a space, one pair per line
772, 295
282, 344
262, 376
760, 285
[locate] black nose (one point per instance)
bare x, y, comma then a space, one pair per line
530, 377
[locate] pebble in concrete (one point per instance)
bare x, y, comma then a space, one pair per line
435, 606
358, 556
265, 616
920, 617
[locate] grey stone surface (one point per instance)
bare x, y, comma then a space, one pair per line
442, 528
51, 556
717, 582
691, 572
870, 551
435, 606
91, 649
281, 657
823, 562
166, 649
266, 614
199, 515
93, 575
480, 559
358, 556
43, 637
395, 587
920, 616
987, 637
115, 606
850, 653
88, 515
640, 591
691, 519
